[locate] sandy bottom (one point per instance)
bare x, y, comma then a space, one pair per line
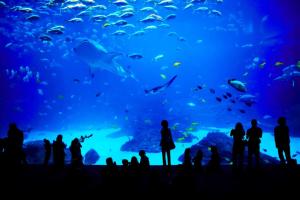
110, 147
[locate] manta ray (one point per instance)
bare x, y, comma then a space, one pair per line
97, 57
161, 88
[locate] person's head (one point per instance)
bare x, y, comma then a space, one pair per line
164, 123
134, 161
125, 162
187, 152
109, 161
281, 121
59, 138
239, 126
142, 153
254, 122
12, 126
46, 141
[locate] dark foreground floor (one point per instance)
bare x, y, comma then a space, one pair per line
37, 181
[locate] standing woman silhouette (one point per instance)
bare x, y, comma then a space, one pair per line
166, 142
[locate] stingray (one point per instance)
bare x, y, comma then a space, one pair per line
97, 57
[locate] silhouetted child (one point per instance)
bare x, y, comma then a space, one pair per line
59, 152
197, 160
134, 164
144, 161
75, 150
253, 135
282, 140
47, 147
214, 162
187, 159
238, 134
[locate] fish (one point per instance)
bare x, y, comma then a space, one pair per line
135, 56
229, 109
163, 76
33, 17
97, 57
176, 64
191, 104
213, 91
98, 94
120, 2
242, 111
75, 20
238, 85
228, 94
161, 88
278, 64
248, 99
224, 96
170, 16
232, 101
219, 99
158, 57
45, 37
75, 80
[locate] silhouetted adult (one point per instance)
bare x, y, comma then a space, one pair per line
47, 147
144, 161
75, 150
253, 135
187, 159
166, 142
214, 162
238, 134
14, 148
282, 141
59, 152
197, 160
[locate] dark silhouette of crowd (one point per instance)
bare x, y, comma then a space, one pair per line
12, 152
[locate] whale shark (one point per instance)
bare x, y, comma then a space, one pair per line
97, 57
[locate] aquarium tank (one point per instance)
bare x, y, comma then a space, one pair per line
108, 71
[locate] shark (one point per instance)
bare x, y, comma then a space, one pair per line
97, 57
160, 88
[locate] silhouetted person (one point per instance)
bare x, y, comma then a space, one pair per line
197, 160
238, 134
59, 152
134, 164
282, 141
75, 150
14, 148
253, 135
144, 161
214, 162
166, 142
187, 159
47, 147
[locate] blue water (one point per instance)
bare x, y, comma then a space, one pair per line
245, 43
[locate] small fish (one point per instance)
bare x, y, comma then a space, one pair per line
263, 64
213, 91
176, 64
158, 57
228, 94
242, 111
233, 101
265, 150
135, 56
40, 92
75, 80
229, 109
191, 104
294, 155
163, 76
98, 94
219, 99
224, 96
278, 64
